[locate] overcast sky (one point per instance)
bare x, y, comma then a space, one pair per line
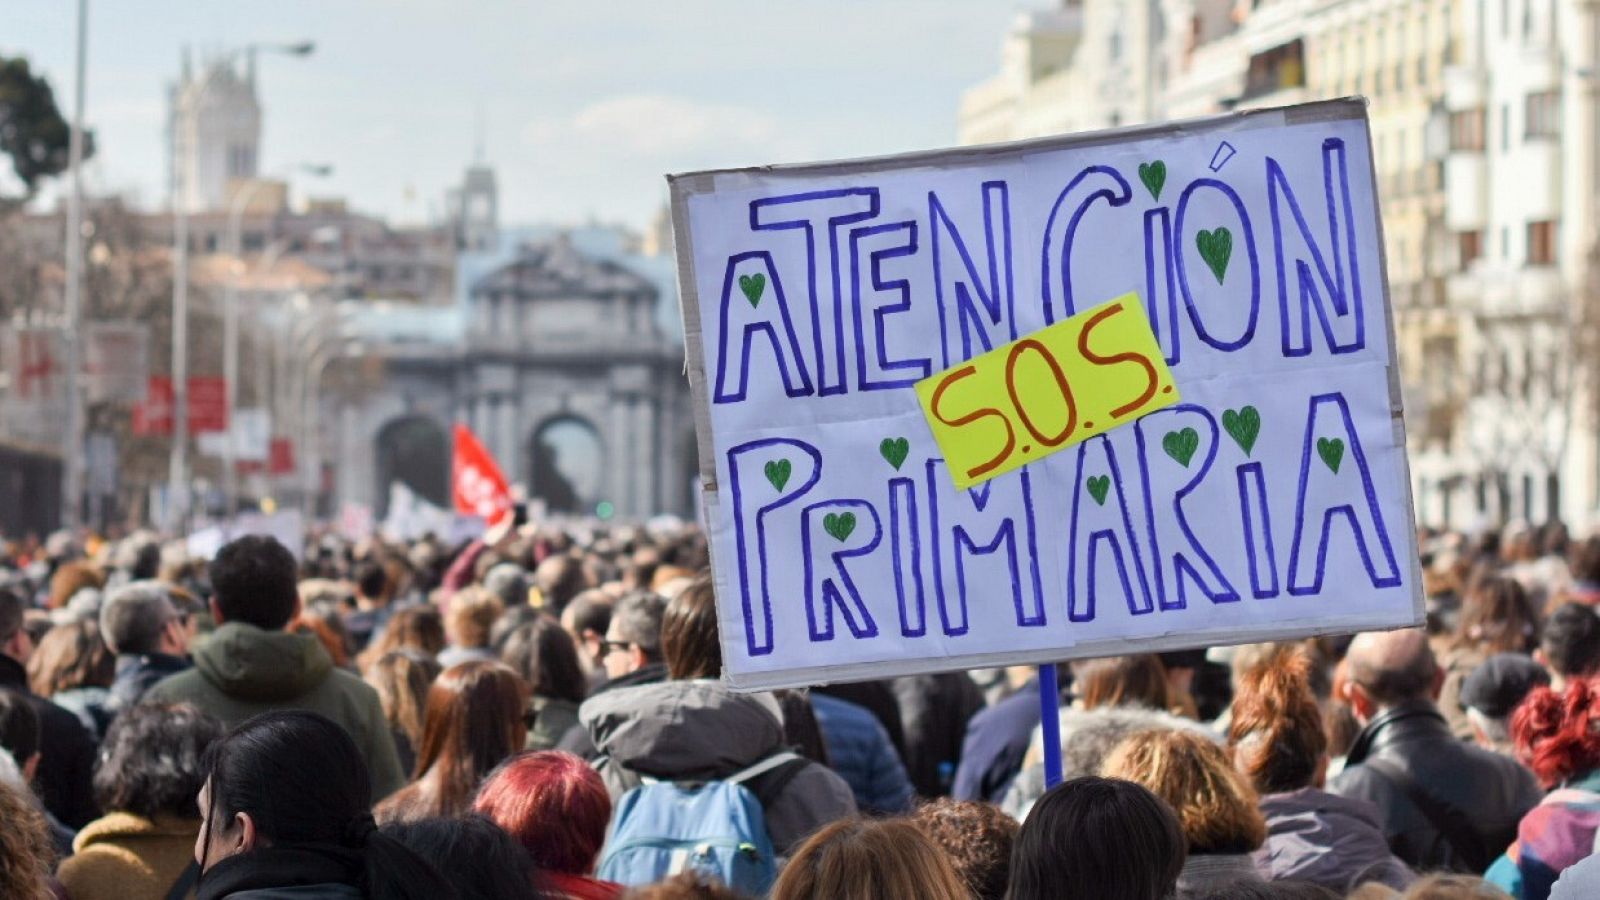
587, 102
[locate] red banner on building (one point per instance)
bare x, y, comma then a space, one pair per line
208, 406
476, 483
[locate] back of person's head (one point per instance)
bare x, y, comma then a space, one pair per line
253, 582
636, 618
472, 616
1497, 617
1557, 735
977, 838
139, 556
151, 760
300, 780
1276, 732
509, 582
473, 854
554, 804
71, 656
402, 679
473, 721
1585, 560
590, 611
686, 885
1570, 643
419, 628
26, 854
1114, 835
1139, 680
1218, 810
371, 580
19, 727
560, 578
689, 640
869, 859
135, 615
545, 655
1393, 667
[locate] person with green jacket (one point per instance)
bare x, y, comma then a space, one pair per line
251, 664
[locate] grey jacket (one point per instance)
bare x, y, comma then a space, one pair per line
1329, 840
700, 731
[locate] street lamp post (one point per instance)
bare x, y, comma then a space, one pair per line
183, 155
230, 335
72, 440
310, 396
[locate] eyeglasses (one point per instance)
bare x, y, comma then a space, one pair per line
608, 646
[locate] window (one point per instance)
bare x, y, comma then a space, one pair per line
1469, 247
1541, 114
1466, 131
1541, 243
1505, 128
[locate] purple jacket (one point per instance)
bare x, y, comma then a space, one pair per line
1336, 842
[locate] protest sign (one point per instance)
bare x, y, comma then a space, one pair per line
830, 311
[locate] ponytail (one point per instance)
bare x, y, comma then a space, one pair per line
1276, 732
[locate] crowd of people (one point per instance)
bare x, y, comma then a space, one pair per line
539, 713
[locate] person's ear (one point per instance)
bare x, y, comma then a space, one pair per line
637, 654
1438, 683
244, 836
1320, 777
216, 611
30, 768
1360, 702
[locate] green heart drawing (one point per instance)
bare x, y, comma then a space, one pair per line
1215, 247
1331, 451
1099, 486
894, 450
839, 525
1244, 425
753, 286
1154, 176
778, 471
1180, 445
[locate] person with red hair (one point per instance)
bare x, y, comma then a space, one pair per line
557, 807
1557, 735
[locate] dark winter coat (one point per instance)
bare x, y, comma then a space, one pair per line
1488, 792
935, 710
860, 751
137, 673
66, 753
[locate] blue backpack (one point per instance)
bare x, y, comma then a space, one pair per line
718, 828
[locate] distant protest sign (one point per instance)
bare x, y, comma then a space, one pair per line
1081, 396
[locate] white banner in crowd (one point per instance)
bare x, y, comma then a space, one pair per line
1113, 392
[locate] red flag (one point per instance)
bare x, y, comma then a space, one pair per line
476, 483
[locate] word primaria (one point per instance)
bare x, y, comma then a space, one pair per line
850, 304
1129, 532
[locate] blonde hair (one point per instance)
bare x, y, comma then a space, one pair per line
867, 859
1216, 807
472, 615
26, 854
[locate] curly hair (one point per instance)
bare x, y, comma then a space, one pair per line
1555, 734
26, 855
1217, 809
977, 838
1277, 732
150, 762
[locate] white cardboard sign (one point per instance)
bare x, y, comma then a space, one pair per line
1272, 501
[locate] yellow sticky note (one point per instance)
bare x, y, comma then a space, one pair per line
1045, 392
